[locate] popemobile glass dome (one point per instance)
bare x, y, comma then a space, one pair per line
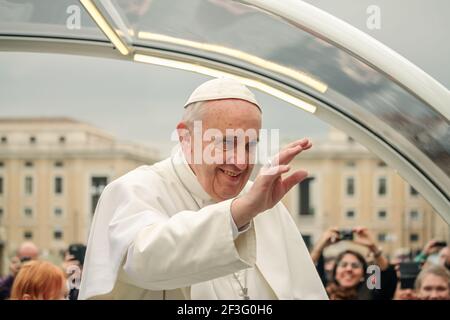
288, 49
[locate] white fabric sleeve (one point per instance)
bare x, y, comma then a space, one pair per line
188, 248
237, 232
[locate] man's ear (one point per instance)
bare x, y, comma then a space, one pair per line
184, 136
185, 139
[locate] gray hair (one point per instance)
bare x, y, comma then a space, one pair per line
193, 112
438, 271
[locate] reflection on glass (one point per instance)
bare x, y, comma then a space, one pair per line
62, 18
357, 89
202, 27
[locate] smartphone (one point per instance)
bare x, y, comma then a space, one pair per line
346, 234
78, 251
440, 244
408, 274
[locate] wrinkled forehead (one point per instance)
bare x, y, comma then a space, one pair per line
231, 114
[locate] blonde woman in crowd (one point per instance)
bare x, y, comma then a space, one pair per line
432, 283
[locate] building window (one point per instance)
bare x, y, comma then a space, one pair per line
58, 185
28, 235
381, 237
58, 212
28, 164
57, 235
28, 185
305, 197
382, 186
28, 212
62, 139
382, 214
97, 186
32, 139
350, 164
413, 192
2, 164
350, 214
414, 237
1, 185
1, 213
414, 215
381, 164
59, 164
350, 186
4, 140
308, 240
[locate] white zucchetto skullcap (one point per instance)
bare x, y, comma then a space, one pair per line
221, 88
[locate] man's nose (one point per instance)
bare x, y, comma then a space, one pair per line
238, 160
241, 166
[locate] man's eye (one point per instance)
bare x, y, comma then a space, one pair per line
251, 145
228, 145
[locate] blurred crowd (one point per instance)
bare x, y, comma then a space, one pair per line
353, 274
367, 274
31, 278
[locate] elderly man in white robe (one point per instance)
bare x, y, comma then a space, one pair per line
187, 229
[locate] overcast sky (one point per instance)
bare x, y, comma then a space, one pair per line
143, 103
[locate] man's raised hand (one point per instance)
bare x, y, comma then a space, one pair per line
269, 187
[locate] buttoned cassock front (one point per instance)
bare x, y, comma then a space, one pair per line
156, 234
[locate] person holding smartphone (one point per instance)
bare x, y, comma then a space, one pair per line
348, 279
73, 266
431, 248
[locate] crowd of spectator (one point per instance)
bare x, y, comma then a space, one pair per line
361, 273
367, 274
31, 278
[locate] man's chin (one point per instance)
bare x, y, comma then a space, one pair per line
228, 195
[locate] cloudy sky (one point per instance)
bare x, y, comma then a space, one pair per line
143, 103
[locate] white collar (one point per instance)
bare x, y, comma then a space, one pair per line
189, 179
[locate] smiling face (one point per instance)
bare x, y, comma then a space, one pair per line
225, 177
434, 287
349, 271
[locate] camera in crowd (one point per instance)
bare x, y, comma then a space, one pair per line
440, 244
345, 234
78, 251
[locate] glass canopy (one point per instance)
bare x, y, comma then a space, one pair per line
47, 18
293, 58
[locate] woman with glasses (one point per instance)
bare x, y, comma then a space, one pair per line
353, 277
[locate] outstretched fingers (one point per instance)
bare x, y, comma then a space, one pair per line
268, 175
291, 151
305, 143
294, 179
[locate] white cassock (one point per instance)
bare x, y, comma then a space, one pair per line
156, 234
